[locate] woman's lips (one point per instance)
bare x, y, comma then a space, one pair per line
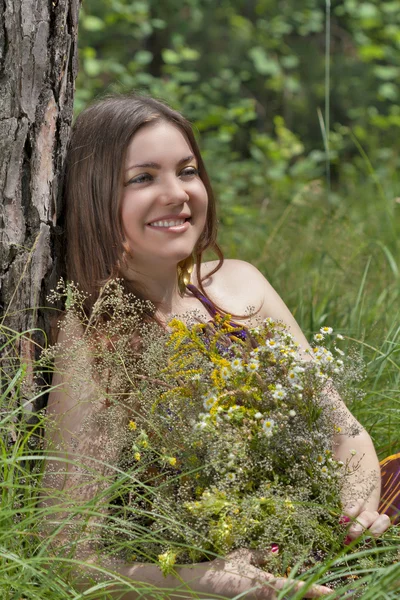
174, 225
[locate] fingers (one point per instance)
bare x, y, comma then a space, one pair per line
241, 562
352, 510
379, 526
364, 519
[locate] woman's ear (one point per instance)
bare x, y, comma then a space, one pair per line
123, 263
127, 253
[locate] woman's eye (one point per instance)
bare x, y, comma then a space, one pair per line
189, 172
143, 178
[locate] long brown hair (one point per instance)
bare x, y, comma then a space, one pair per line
93, 189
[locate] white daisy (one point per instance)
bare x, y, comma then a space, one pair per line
269, 321
279, 393
225, 373
268, 425
209, 402
318, 337
272, 344
326, 330
237, 364
253, 366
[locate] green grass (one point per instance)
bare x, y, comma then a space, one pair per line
334, 256
336, 267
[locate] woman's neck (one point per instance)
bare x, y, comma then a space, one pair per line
159, 285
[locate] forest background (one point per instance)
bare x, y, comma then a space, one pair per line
296, 105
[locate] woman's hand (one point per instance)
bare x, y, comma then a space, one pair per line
362, 520
239, 573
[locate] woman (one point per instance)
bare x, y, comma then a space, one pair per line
138, 205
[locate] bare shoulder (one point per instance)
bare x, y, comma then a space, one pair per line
232, 267
239, 288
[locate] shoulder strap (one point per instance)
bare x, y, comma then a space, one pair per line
208, 305
241, 330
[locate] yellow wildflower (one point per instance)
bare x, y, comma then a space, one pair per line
166, 562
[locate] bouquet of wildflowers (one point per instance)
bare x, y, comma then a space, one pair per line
228, 438
231, 439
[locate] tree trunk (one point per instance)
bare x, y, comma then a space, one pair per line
38, 66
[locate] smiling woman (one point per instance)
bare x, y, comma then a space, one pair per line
134, 163
140, 207
164, 203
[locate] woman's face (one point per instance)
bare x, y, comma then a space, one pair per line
164, 203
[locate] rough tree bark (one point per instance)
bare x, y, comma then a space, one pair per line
38, 66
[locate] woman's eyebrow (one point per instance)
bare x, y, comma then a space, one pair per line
153, 165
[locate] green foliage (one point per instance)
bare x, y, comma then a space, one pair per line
35, 565
204, 56
251, 77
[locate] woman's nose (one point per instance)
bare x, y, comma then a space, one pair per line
173, 191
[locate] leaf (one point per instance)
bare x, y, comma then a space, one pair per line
367, 10
170, 57
92, 66
290, 62
389, 91
158, 23
386, 72
263, 64
190, 54
371, 52
143, 57
92, 23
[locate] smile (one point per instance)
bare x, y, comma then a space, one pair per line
168, 223
176, 225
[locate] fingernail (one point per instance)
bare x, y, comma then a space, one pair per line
347, 540
344, 519
274, 548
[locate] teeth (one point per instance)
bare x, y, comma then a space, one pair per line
167, 223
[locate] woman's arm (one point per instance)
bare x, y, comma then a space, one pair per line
80, 455
79, 472
364, 483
